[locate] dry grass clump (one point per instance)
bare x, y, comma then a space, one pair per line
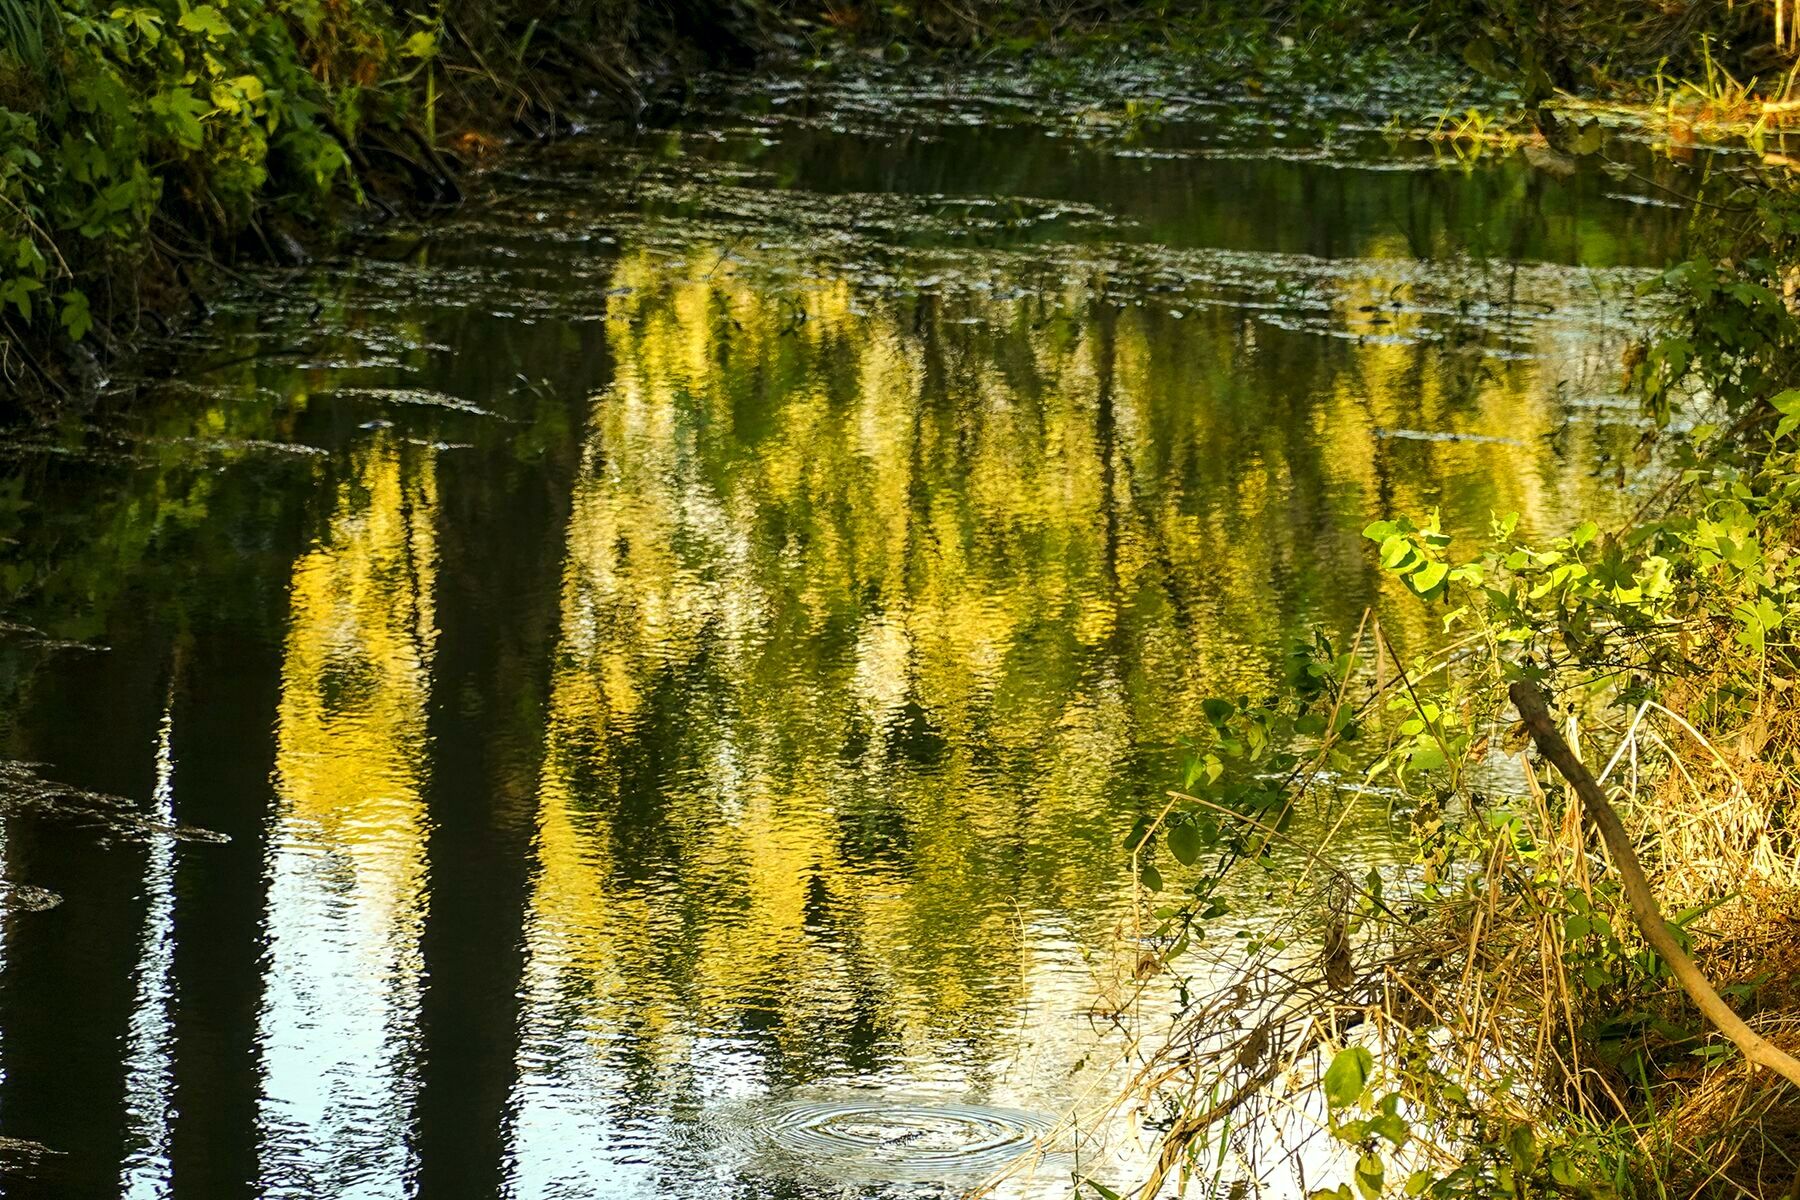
1711, 795
1718, 827
1719, 818
1729, 1134
1519, 993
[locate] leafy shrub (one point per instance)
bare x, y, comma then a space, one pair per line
201, 112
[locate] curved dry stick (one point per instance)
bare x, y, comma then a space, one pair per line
1644, 909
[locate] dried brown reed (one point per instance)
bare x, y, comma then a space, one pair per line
1472, 1002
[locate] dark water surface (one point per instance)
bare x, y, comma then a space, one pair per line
675, 645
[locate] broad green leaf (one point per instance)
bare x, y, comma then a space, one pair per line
1788, 405
1523, 1145
1756, 621
1427, 578
17, 292
75, 315
1371, 1176
1347, 1075
205, 19
1483, 57
1426, 756
179, 112
1566, 1173
1392, 1127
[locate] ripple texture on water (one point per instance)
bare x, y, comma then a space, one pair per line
899, 1140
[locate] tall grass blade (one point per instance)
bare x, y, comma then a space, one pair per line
22, 32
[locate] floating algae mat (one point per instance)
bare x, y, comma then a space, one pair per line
638, 688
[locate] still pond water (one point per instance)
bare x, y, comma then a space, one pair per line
636, 687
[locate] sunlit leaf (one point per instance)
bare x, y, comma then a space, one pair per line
1347, 1076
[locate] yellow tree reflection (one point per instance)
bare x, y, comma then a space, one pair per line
880, 619
347, 898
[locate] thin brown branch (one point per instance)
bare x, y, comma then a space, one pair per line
1644, 909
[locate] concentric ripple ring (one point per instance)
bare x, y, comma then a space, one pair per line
903, 1140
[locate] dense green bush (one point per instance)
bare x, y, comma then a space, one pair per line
110, 115
169, 130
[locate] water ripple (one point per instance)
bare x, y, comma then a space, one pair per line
897, 1140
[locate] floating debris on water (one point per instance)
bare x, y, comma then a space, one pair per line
418, 397
24, 897
24, 790
1434, 435
239, 445
22, 1153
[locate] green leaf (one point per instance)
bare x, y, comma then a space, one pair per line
1426, 756
1380, 531
1347, 1076
1788, 405
1393, 1128
205, 19
1483, 57
17, 292
1427, 578
1184, 843
146, 21
30, 259
1587, 140
1756, 622
76, 318
1566, 1173
1523, 1145
180, 111
1371, 1176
